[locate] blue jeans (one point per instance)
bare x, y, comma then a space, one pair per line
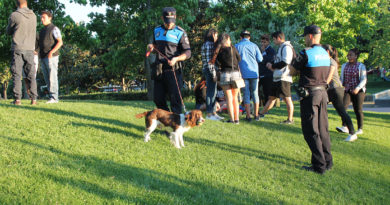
49, 68
251, 86
211, 91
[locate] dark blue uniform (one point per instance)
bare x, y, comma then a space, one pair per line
313, 64
171, 43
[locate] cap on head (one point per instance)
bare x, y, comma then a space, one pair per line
245, 33
312, 29
169, 15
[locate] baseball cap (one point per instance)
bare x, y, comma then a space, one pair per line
244, 33
169, 14
312, 29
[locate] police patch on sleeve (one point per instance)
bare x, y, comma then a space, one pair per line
157, 34
186, 41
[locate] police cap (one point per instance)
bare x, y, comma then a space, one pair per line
312, 29
169, 15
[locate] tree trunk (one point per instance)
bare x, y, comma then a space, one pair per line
5, 88
124, 85
149, 81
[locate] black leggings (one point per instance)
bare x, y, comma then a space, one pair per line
336, 96
357, 103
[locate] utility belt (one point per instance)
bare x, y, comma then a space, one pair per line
159, 68
305, 92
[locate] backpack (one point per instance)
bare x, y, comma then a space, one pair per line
294, 53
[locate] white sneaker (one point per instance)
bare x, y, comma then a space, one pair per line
212, 117
351, 138
219, 117
342, 129
359, 132
51, 101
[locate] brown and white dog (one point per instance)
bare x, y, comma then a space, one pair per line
180, 123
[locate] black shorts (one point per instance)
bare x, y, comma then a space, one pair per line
281, 89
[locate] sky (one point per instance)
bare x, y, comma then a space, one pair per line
79, 12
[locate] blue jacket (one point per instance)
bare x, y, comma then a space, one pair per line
250, 57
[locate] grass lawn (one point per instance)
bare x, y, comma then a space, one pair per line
376, 85
92, 152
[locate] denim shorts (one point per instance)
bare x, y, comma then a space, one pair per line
227, 78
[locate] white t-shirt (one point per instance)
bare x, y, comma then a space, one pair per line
285, 55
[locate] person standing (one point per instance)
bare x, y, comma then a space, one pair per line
265, 74
250, 57
173, 47
336, 92
50, 41
227, 58
22, 26
354, 78
313, 64
210, 73
282, 78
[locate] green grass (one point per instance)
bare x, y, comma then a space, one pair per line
92, 152
376, 85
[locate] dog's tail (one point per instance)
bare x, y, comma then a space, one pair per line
141, 115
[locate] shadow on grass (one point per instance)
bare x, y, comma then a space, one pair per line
148, 105
82, 116
248, 152
179, 190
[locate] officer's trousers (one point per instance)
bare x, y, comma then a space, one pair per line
166, 85
314, 121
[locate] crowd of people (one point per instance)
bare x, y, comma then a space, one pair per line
243, 67
28, 46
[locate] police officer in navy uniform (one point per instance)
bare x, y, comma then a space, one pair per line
313, 63
173, 47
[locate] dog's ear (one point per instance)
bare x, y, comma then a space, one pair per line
191, 119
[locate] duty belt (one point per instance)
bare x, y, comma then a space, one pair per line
316, 88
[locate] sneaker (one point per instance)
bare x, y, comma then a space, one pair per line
212, 117
351, 138
342, 129
257, 118
287, 122
52, 100
248, 119
16, 102
219, 117
261, 116
359, 132
33, 102
236, 122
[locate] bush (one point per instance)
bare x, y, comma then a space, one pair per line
188, 96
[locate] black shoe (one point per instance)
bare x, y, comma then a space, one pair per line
311, 169
236, 122
248, 119
230, 121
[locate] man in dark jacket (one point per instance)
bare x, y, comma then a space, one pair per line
266, 75
50, 41
22, 26
172, 42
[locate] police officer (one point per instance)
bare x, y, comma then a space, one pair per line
313, 63
172, 47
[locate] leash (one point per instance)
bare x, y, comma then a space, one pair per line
174, 73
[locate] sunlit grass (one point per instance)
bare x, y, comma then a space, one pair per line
92, 152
